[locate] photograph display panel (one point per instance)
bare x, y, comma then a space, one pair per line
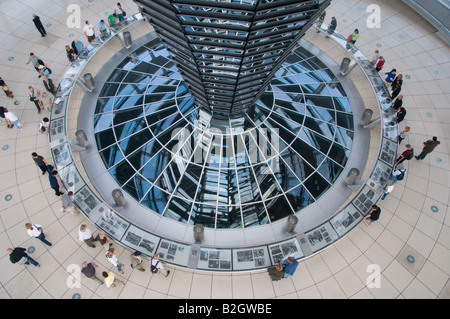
282, 250
214, 259
112, 224
348, 218
321, 237
251, 258
173, 252
141, 241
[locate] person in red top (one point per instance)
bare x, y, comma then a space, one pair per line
380, 64
406, 155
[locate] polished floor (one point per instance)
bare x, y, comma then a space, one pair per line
414, 222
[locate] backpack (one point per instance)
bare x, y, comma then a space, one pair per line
411, 154
153, 268
401, 176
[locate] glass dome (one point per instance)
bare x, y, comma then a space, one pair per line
183, 163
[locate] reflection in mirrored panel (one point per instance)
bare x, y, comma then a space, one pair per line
182, 163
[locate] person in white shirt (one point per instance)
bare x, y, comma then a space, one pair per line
388, 189
35, 230
375, 57
156, 266
112, 258
43, 125
10, 116
89, 31
85, 234
119, 11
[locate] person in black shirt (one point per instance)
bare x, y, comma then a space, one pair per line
40, 162
88, 271
373, 215
400, 114
16, 255
39, 26
398, 102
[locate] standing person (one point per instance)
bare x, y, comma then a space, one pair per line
407, 155
2, 115
289, 266
19, 255
112, 258
110, 279
34, 60
398, 102
157, 267
398, 174
354, 36
428, 147
67, 203
70, 53
136, 261
34, 94
37, 22
388, 189
55, 182
396, 91
43, 125
375, 57
397, 80
321, 19
373, 215
6, 89
112, 19
44, 71
12, 118
77, 46
104, 241
403, 134
40, 162
35, 230
120, 12
49, 85
390, 76
88, 271
380, 64
47, 101
89, 31
332, 26
400, 114
85, 234
104, 27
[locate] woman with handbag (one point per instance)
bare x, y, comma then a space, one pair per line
120, 12
6, 89
353, 37
34, 97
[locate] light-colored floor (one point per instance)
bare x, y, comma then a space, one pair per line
407, 227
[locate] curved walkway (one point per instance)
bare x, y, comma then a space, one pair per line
414, 222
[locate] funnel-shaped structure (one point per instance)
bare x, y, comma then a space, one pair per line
229, 50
